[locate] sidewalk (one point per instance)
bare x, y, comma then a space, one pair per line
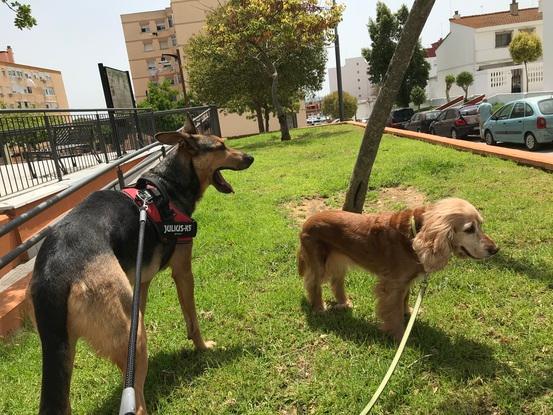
543, 159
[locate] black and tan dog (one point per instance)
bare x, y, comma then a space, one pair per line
81, 284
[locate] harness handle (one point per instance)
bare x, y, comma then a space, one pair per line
128, 398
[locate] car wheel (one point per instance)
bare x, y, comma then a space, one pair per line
453, 133
489, 138
531, 142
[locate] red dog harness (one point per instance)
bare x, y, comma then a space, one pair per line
169, 221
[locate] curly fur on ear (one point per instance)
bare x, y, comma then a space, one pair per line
433, 243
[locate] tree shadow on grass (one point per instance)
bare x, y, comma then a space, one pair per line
168, 370
536, 271
301, 139
454, 356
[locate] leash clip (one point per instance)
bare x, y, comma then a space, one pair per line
146, 198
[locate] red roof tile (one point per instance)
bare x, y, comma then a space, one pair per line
431, 51
499, 18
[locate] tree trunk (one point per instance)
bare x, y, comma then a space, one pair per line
284, 132
267, 117
526, 75
359, 182
447, 94
259, 116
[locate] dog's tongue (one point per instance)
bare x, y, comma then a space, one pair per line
221, 184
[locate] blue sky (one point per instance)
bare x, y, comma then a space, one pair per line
74, 36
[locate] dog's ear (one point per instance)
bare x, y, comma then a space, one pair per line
189, 126
433, 243
180, 137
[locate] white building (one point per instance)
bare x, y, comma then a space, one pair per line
547, 10
355, 81
479, 44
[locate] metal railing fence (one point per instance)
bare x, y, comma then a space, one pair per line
40, 146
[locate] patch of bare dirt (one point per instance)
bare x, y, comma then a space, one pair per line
393, 198
306, 207
388, 199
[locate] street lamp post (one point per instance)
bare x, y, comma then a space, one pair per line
178, 59
338, 71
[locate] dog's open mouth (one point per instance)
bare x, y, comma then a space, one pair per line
220, 183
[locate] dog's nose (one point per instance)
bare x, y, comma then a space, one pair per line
248, 159
492, 250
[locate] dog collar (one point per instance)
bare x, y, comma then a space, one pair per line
170, 223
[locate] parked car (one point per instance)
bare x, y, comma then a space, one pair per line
316, 120
457, 123
421, 121
528, 121
399, 117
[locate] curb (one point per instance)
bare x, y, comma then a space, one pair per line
520, 156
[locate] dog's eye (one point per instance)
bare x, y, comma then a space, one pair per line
470, 229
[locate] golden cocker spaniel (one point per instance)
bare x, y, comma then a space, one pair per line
396, 247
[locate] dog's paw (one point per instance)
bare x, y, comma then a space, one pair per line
342, 306
319, 309
208, 345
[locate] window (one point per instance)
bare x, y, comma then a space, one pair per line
518, 110
148, 46
151, 64
170, 21
163, 44
29, 90
160, 25
48, 91
546, 106
502, 39
451, 114
173, 40
529, 111
504, 112
145, 27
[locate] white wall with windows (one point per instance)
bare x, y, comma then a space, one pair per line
547, 9
484, 52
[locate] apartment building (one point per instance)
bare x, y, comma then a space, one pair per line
356, 82
25, 86
154, 39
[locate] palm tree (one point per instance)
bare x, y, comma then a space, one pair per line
359, 181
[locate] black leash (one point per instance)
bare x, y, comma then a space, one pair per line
128, 398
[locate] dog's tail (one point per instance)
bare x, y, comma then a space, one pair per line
49, 300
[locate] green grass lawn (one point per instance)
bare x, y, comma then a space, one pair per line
483, 344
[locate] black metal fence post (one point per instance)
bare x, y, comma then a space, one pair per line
153, 123
120, 177
214, 121
101, 137
52, 141
138, 129
114, 132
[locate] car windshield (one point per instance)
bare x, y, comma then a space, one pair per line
403, 114
546, 106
